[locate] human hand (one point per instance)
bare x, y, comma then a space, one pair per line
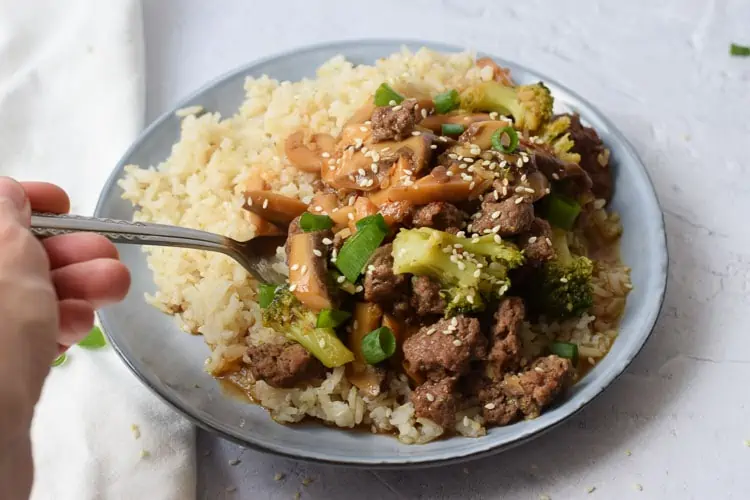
48, 293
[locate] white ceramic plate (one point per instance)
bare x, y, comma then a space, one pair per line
170, 362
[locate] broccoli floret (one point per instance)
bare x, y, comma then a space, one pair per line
288, 316
460, 302
555, 134
563, 285
470, 270
529, 105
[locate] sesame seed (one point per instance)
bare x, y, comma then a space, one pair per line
294, 267
433, 146
466, 421
495, 215
449, 173
523, 178
318, 208
303, 270
363, 129
359, 288
292, 287
317, 252
454, 321
532, 239
331, 167
555, 176
361, 171
327, 241
397, 108
429, 397
477, 273
497, 238
470, 299
430, 331
490, 406
341, 279
446, 332
549, 241
265, 203
424, 113
518, 201
519, 163
391, 103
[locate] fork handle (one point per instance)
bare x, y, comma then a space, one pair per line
135, 233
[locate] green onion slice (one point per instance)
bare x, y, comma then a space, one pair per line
94, 340
497, 140
739, 50
378, 345
446, 101
266, 294
452, 129
565, 350
562, 212
331, 318
310, 222
385, 94
377, 219
358, 248
60, 360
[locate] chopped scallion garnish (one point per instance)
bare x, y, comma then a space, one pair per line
562, 212
497, 140
739, 50
60, 360
565, 350
372, 219
452, 129
331, 318
94, 340
446, 101
378, 345
310, 222
266, 294
385, 95
358, 248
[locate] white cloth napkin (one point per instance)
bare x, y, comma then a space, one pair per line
71, 100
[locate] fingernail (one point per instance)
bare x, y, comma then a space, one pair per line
13, 191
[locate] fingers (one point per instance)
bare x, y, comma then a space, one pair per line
70, 249
46, 197
14, 204
98, 281
76, 320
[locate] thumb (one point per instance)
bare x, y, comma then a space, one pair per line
14, 202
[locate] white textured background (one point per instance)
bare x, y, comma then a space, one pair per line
661, 71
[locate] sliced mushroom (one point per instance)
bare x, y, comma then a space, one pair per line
367, 317
435, 122
363, 207
363, 114
308, 269
499, 74
261, 225
436, 188
274, 207
413, 157
480, 133
309, 155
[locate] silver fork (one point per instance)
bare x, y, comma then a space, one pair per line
255, 255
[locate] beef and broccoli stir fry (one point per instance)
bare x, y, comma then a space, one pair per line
439, 226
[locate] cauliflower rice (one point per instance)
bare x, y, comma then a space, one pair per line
200, 186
